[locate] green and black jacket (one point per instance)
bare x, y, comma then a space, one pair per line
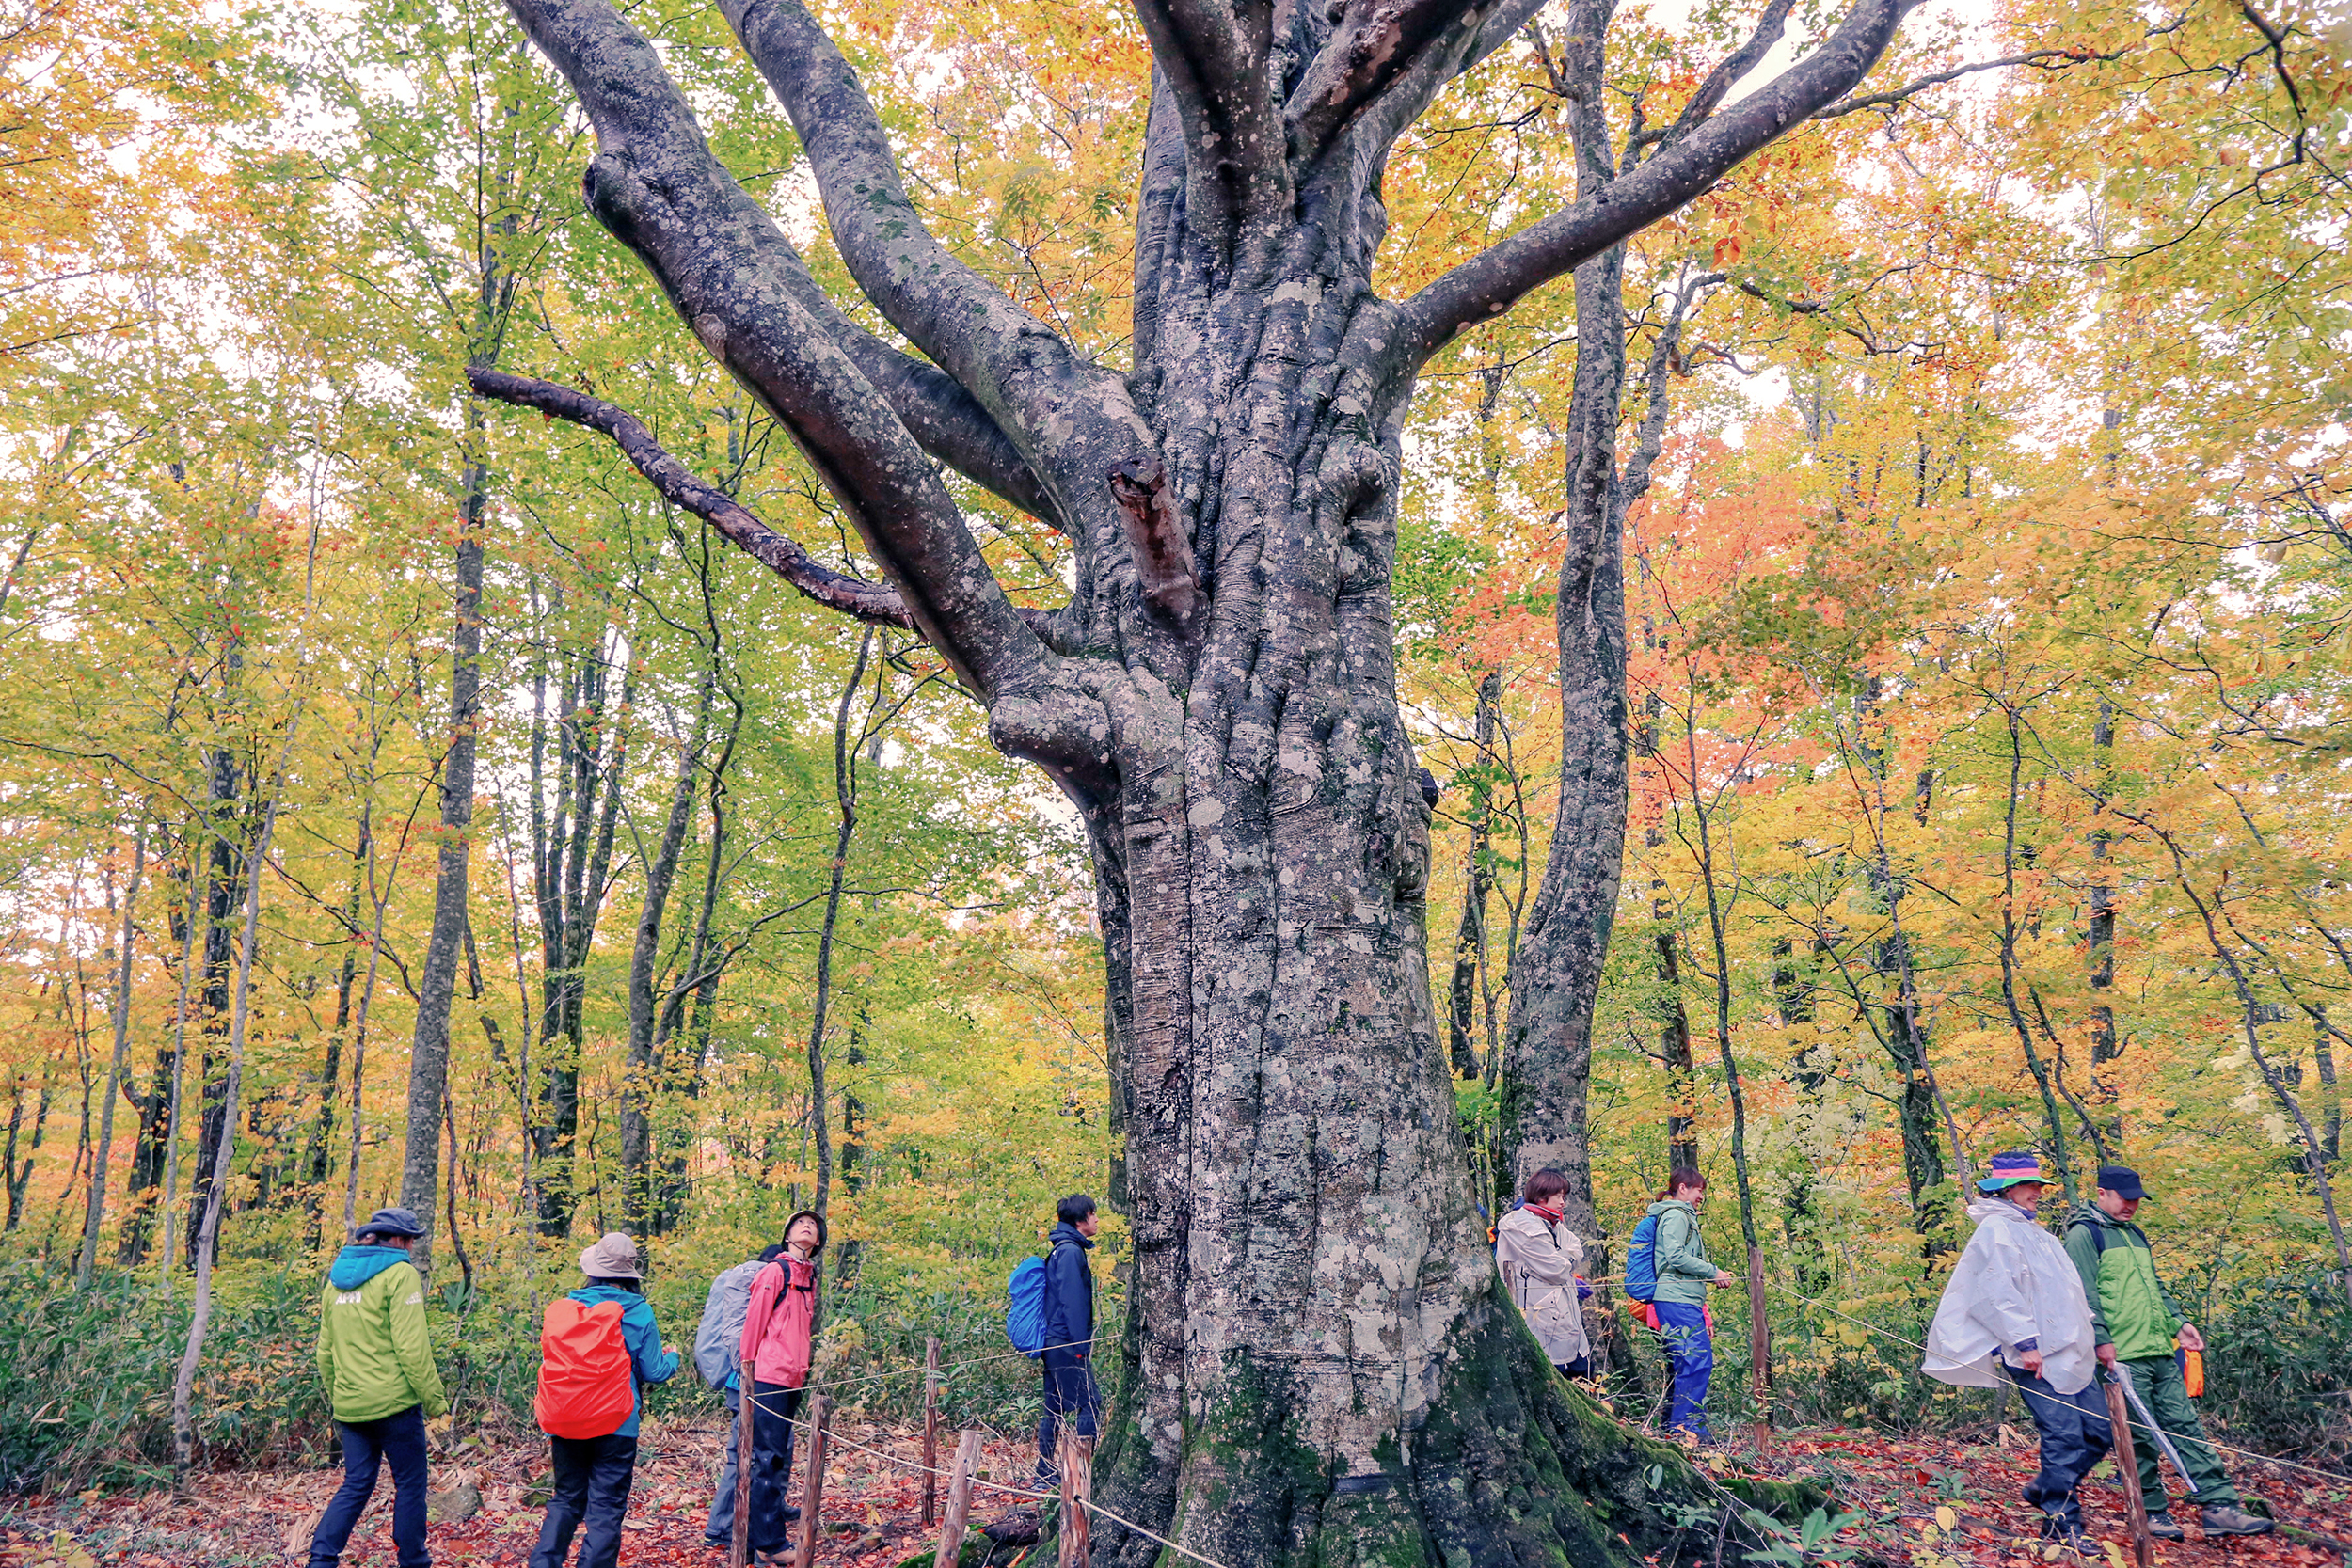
2129, 1306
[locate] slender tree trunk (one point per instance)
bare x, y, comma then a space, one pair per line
1469, 938
208, 1233
228, 865
428, 1057
21, 1176
320, 1159
2330, 1097
845, 802
193, 924
642, 1072
2106, 1043
852, 1147
2041, 1069
116, 1066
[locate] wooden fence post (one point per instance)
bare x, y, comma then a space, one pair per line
959, 1500
739, 1545
930, 1432
1076, 1459
1760, 1349
813, 1490
2127, 1467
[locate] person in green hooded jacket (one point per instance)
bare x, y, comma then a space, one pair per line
2133, 1324
377, 1364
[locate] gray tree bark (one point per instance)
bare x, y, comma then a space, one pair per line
1319, 1365
643, 1068
437, 986
117, 1066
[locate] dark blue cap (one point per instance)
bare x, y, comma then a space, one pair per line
2121, 1181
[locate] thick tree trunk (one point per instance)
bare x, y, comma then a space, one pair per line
1320, 1365
437, 986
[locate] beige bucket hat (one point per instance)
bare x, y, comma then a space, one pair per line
613, 1257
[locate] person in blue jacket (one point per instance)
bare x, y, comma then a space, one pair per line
592, 1475
1070, 1390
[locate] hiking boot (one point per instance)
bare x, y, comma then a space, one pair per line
2057, 1531
2164, 1527
2230, 1519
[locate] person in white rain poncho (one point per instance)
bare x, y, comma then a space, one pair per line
2014, 1310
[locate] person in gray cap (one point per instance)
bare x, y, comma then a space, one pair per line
2137, 1325
377, 1364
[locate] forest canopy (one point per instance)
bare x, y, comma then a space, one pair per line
1987, 584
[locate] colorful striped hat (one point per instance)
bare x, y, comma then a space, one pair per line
2012, 1168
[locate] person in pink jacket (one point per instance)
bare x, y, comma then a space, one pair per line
778, 1323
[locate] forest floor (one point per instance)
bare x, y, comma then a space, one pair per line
245, 1519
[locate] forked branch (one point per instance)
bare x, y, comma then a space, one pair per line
1489, 284
735, 279
1214, 57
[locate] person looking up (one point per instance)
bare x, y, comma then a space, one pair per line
779, 1327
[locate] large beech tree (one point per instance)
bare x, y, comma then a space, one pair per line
1320, 1368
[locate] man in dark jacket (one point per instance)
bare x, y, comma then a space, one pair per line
1070, 1390
2137, 1325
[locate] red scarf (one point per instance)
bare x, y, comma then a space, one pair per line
1549, 1215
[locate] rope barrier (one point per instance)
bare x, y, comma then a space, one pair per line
916, 1464
2136, 1423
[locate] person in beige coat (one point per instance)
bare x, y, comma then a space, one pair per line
1538, 1257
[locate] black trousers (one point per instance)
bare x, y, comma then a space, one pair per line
592, 1481
398, 1438
1070, 1396
2075, 1436
770, 1459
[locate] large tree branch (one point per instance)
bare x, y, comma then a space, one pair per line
1016, 364
945, 420
1489, 284
731, 274
1215, 57
1722, 78
681, 487
1385, 63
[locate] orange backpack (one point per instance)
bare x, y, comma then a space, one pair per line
584, 1384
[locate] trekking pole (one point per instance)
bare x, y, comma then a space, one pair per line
813, 1490
930, 1432
2135, 1507
959, 1499
739, 1543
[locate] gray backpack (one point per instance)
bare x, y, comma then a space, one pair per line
719, 1337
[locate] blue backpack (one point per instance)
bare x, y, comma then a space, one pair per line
1025, 1308
1641, 1260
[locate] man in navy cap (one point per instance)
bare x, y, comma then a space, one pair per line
2137, 1325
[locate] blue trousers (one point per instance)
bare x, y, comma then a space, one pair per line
722, 1525
399, 1438
1069, 1395
1691, 1351
2075, 1436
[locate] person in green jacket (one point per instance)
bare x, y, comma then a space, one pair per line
377, 1366
1684, 1276
2134, 1323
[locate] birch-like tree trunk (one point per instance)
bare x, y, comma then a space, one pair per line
1319, 1365
116, 1066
